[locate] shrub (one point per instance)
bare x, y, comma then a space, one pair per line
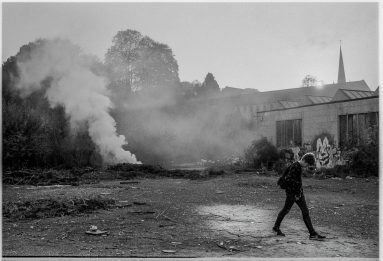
365, 160
260, 152
339, 171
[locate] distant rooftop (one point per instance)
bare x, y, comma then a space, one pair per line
343, 94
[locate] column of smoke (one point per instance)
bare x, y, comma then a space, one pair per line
82, 93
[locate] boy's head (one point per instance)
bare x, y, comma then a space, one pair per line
309, 159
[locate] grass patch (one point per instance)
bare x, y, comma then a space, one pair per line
43, 208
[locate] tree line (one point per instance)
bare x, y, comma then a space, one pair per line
144, 83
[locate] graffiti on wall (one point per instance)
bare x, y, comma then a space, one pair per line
296, 151
326, 153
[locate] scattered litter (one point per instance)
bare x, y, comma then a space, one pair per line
258, 247
221, 245
96, 232
336, 178
348, 177
233, 248
134, 187
299, 243
32, 227
176, 243
93, 230
129, 182
169, 251
219, 192
336, 207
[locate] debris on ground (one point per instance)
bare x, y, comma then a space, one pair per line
229, 247
43, 208
169, 251
40, 177
96, 232
93, 230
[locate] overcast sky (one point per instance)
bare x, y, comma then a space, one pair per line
266, 46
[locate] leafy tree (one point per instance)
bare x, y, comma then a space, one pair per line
309, 80
138, 63
34, 134
209, 86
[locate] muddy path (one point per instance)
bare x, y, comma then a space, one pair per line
225, 216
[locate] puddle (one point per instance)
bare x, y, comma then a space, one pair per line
237, 219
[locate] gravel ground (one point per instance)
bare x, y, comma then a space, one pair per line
230, 215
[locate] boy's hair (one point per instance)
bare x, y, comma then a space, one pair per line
309, 158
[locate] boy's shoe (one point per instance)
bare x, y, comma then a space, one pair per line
278, 231
317, 237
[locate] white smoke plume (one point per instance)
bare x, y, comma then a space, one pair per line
81, 92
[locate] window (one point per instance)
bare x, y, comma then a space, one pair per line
354, 128
289, 133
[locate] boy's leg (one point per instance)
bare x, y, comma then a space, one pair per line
286, 208
305, 213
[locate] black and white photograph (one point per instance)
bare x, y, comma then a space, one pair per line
182, 130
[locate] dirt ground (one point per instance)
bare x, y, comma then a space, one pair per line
231, 215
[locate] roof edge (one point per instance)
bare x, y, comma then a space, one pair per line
317, 104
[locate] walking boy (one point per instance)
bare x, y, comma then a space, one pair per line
291, 181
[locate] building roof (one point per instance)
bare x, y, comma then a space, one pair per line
343, 94
319, 99
302, 95
286, 98
289, 104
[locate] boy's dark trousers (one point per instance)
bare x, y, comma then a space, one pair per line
301, 202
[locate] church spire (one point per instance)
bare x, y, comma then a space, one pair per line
341, 74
